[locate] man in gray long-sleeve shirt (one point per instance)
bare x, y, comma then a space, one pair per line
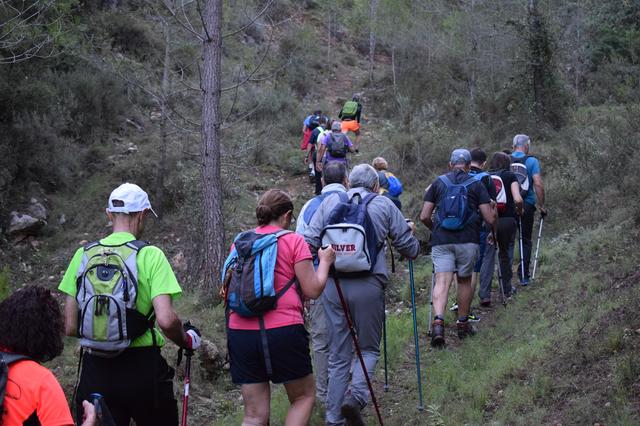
364, 296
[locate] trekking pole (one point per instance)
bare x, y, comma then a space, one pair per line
415, 335
352, 330
103, 415
433, 284
187, 382
535, 262
521, 250
384, 338
495, 241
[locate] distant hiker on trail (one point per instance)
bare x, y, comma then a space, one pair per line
456, 198
390, 185
334, 179
507, 225
312, 152
362, 270
121, 283
350, 115
334, 147
273, 346
311, 122
477, 170
31, 327
534, 194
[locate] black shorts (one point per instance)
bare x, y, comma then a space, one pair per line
137, 384
288, 347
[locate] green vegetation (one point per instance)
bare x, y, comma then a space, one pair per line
446, 74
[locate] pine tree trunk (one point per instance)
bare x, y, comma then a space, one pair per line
213, 238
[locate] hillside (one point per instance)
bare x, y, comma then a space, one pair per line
563, 351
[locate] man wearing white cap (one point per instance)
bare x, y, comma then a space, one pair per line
456, 198
117, 288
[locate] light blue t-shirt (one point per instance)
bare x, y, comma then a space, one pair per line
533, 168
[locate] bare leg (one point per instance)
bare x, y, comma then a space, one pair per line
465, 294
257, 398
302, 396
441, 292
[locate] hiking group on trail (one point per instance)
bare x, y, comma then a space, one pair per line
119, 291
325, 140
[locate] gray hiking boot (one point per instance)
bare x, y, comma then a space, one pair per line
350, 410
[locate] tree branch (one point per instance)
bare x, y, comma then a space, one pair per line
255, 18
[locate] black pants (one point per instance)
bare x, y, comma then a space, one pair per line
137, 384
527, 230
318, 174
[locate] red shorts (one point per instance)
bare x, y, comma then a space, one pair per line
350, 126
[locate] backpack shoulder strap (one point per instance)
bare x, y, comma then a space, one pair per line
470, 181
445, 179
368, 198
344, 197
89, 246
137, 245
283, 232
9, 358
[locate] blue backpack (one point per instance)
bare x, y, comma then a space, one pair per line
350, 232
248, 274
395, 186
453, 208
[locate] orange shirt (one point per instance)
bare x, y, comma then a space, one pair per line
32, 388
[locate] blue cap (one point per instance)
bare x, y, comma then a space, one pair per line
521, 140
460, 156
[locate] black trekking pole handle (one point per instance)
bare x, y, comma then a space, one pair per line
354, 336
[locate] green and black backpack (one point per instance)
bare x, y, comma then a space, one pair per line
349, 109
107, 289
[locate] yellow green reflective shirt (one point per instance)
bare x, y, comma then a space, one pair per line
155, 277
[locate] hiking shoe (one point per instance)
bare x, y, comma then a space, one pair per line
473, 317
454, 307
485, 302
437, 333
465, 329
525, 282
350, 410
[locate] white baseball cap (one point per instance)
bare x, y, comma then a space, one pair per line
129, 198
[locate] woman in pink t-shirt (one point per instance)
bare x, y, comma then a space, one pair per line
287, 339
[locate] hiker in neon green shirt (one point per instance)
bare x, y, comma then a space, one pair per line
117, 288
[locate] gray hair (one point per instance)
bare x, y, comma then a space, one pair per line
363, 176
521, 140
334, 172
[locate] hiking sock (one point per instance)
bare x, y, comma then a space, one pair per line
439, 317
463, 319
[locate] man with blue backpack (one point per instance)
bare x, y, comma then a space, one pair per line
357, 225
458, 200
527, 169
334, 179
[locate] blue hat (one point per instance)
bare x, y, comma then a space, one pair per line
460, 156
